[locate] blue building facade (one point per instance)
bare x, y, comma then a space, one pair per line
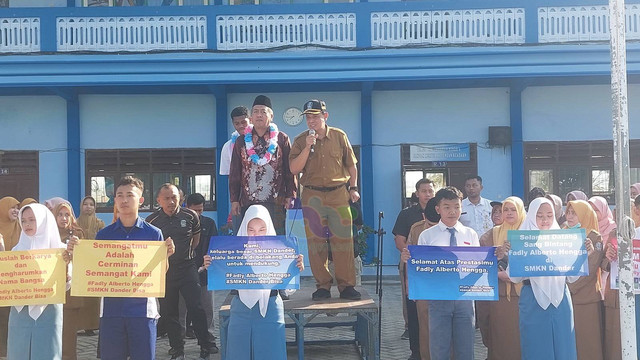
89, 93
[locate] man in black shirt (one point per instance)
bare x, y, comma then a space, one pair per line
208, 229
407, 217
183, 226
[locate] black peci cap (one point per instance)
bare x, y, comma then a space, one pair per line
262, 100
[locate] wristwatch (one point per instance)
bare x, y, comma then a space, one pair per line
353, 188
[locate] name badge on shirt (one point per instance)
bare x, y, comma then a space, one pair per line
183, 223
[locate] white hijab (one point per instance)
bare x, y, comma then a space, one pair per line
261, 296
546, 289
47, 236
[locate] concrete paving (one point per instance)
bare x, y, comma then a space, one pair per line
392, 347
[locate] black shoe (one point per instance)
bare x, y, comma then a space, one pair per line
349, 293
283, 294
321, 294
179, 356
213, 349
87, 333
405, 335
414, 357
204, 354
189, 334
174, 351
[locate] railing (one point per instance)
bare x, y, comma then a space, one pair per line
19, 34
583, 23
267, 31
139, 33
485, 26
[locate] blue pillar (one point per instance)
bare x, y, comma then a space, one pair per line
517, 146
48, 41
363, 27
369, 214
222, 135
74, 175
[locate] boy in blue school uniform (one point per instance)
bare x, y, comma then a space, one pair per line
128, 325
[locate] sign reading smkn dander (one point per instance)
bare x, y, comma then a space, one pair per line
547, 253
439, 152
257, 262
118, 268
34, 277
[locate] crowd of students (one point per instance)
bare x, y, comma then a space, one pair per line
549, 317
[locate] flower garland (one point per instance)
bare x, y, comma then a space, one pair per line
234, 137
273, 144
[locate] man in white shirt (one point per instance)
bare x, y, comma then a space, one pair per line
450, 321
476, 210
240, 120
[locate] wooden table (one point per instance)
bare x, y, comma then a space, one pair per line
303, 311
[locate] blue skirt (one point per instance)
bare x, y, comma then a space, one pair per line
39, 339
253, 337
547, 334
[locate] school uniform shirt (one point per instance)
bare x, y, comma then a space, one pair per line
477, 217
440, 235
225, 158
130, 307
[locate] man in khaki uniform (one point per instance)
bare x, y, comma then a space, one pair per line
325, 158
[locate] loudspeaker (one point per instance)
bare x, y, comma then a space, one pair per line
499, 135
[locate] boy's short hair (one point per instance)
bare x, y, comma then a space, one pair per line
240, 111
195, 199
448, 193
423, 181
131, 180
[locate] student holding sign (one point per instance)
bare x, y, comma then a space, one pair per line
450, 321
503, 314
546, 312
256, 323
35, 331
585, 292
128, 324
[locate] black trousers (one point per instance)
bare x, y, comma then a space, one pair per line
182, 279
414, 327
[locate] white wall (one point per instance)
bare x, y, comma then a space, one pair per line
38, 123
435, 116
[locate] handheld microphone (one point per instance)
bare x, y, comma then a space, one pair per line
312, 132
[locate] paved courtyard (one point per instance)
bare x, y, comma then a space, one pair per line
392, 347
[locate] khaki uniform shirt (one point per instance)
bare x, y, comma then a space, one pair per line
329, 164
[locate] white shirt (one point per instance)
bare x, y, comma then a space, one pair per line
225, 158
439, 235
477, 217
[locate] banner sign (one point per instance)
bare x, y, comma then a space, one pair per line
439, 152
256, 262
452, 273
117, 268
34, 277
636, 269
547, 253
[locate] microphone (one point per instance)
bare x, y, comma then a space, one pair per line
312, 132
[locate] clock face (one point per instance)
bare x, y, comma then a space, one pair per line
292, 116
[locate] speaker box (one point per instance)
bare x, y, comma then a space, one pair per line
499, 135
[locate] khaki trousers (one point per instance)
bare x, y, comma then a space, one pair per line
327, 216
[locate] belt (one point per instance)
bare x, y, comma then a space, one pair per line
526, 282
272, 294
323, 188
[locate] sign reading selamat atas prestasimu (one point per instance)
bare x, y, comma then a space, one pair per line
35, 277
119, 268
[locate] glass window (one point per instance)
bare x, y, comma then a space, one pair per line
190, 168
602, 182
102, 190
438, 179
635, 175
573, 178
542, 179
411, 178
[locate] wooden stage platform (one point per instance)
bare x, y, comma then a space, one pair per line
303, 312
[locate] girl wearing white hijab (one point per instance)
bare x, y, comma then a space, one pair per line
256, 323
546, 312
35, 331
